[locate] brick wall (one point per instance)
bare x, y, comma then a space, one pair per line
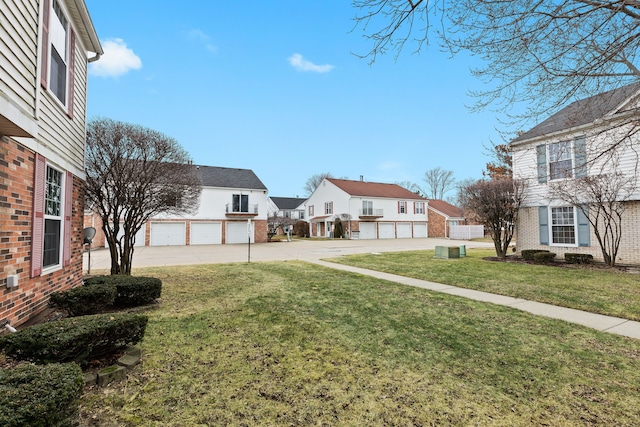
16, 192
436, 227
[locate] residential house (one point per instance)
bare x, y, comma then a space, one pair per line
572, 144
287, 207
45, 48
368, 210
442, 216
232, 208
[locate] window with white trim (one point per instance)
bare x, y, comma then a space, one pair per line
311, 210
560, 164
53, 216
240, 203
328, 208
402, 207
59, 52
563, 226
367, 207
419, 207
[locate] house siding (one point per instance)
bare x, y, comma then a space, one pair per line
16, 201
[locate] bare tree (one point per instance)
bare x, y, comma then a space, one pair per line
536, 55
411, 186
439, 182
495, 204
602, 199
134, 173
315, 180
275, 222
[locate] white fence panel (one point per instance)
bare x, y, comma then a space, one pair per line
466, 232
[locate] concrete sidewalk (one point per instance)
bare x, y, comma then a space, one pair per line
315, 250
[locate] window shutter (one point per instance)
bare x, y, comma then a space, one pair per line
72, 63
543, 224
541, 153
44, 60
398, 207
580, 155
583, 227
68, 206
414, 207
37, 231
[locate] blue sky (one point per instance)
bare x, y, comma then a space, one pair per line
275, 87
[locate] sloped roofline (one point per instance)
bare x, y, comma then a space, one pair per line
374, 189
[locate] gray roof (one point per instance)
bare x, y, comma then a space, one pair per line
287, 202
214, 176
582, 112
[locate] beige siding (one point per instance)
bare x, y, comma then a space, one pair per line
18, 53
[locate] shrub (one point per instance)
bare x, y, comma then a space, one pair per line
75, 339
544, 257
301, 229
85, 299
46, 395
131, 291
529, 253
573, 258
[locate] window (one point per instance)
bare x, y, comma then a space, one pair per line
58, 53
52, 218
402, 207
563, 227
240, 203
419, 207
367, 207
560, 160
328, 208
311, 213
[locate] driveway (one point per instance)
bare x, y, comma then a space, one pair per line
305, 250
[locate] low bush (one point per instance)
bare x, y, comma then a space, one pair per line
40, 396
131, 291
529, 253
85, 299
572, 258
75, 339
301, 229
544, 257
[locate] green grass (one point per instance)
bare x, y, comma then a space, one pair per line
295, 344
602, 291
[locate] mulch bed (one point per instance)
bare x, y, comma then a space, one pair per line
561, 264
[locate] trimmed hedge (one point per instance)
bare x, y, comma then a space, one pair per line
529, 253
40, 396
75, 339
544, 257
131, 291
84, 299
573, 258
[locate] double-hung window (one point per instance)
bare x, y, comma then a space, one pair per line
563, 226
240, 203
560, 160
53, 216
402, 207
328, 208
419, 207
367, 207
311, 210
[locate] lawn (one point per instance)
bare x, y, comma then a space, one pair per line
296, 344
602, 291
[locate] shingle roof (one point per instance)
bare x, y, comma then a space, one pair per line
582, 112
287, 202
446, 208
214, 176
374, 189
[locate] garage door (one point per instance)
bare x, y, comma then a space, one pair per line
368, 230
168, 234
404, 230
237, 232
387, 230
139, 236
206, 233
419, 229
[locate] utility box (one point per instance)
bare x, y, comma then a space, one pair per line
12, 281
447, 252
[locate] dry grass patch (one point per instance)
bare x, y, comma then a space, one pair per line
295, 344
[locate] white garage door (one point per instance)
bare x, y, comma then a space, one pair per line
139, 236
237, 232
387, 230
206, 233
419, 229
404, 230
368, 230
168, 234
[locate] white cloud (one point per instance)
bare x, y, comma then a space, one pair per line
117, 60
301, 64
203, 38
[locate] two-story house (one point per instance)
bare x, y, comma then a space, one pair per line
287, 207
45, 48
592, 137
368, 210
232, 209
